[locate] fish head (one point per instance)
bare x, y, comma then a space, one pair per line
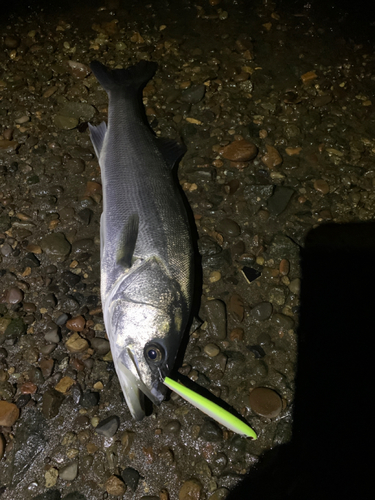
144, 340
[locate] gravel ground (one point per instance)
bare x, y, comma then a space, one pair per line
280, 137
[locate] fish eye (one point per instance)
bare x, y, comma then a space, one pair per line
154, 353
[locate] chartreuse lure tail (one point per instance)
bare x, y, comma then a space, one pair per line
211, 409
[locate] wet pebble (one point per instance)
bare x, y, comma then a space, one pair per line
108, 427
100, 345
215, 315
62, 319
69, 472
283, 322
257, 350
208, 247
279, 200
89, 399
272, 158
190, 490
210, 431
261, 311
131, 478
9, 414
295, 286
46, 366
23, 400
322, 186
240, 151
219, 494
76, 324
277, 296
211, 350
114, 486
84, 246
236, 334
30, 260
172, 427
51, 403
229, 228
14, 295
76, 344
2, 446
236, 306
70, 278
265, 402
51, 476
56, 246
193, 94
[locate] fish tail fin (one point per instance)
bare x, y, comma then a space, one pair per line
136, 76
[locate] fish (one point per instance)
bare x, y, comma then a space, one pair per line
146, 250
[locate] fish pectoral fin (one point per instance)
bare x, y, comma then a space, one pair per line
128, 241
97, 135
171, 150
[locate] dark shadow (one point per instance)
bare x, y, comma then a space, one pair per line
331, 452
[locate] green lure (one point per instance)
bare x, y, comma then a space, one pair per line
211, 409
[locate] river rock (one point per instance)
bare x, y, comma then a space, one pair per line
56, 246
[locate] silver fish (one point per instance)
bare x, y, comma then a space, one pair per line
146, 251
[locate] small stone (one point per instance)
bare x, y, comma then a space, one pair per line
265, 402
190, 490
53, 335
46, 366
262, 311
236, 306
62, 319
229, 228
214, 277
76, 324
211, 350
236, 334
219, 494
100, 345
240, 151
51, 403
322, 186
131, 478
64, 385
194, 94
14, 295
28, 388
172, 427
272, 158
76, 344
215, 315
114, 486
9, 414
51, 476
295, 286
284, 267
89, 399
2, 446
127, 440
279, 200
56, 246
210, 431
108, 427
69, 472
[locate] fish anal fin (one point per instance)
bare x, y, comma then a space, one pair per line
97, 135
127, 242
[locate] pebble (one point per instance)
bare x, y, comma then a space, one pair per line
265, 402
14, 295
131, 478
62, 319
211, 350
219, 494
172, 427
322, 186
216, 317
2, 446
100, 345
261, 311
284, 267
272, 158
277, 296
236, 334
108, 427
9, 414
76, 324
51, 476
64, 385
114, 486
76, 344
279, 200
56, 246
295, 286
51, 403
69, 472
210, 431
70, 278
190, 490
46, 366
239, 151
89, 399
214, 277
229, 228
53, 335
236, 306
194, 94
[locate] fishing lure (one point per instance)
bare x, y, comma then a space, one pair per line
211, 409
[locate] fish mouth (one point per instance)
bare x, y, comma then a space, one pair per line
135, 386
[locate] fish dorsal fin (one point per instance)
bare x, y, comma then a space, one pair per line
97, 135
127, 242
171, 150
